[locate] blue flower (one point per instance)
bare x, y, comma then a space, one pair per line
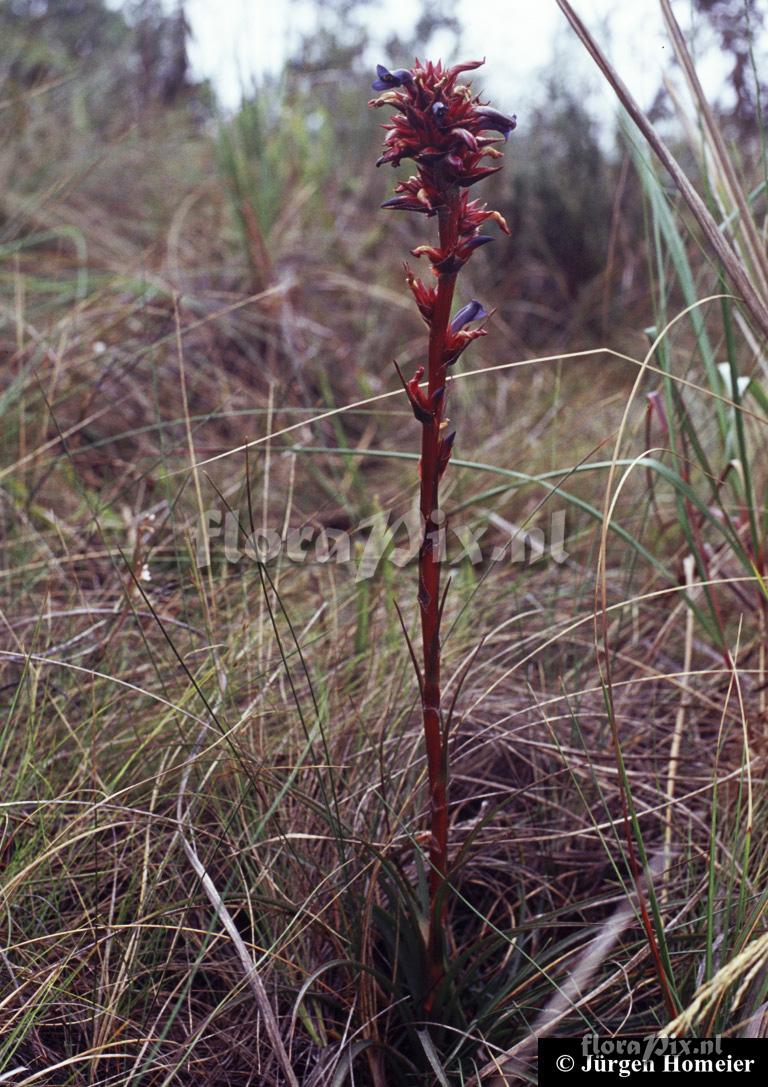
387, 80
473, 311
498, 122
439, 110
477, 241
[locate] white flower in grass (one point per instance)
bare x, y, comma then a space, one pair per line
742, 383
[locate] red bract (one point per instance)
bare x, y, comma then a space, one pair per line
443, 128
425, 296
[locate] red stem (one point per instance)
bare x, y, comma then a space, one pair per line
429, 600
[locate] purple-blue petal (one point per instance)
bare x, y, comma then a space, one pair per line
473, 311
477, 241
406, 203
386, 79
497, 122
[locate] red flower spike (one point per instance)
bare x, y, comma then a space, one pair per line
450, 134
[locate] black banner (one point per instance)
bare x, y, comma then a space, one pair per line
651, 1060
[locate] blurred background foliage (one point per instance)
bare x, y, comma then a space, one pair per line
126, 191
99, 104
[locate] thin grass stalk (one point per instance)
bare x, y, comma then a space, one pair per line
440, 125
753, 302
744, 223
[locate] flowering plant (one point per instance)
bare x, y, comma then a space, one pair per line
450, 134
